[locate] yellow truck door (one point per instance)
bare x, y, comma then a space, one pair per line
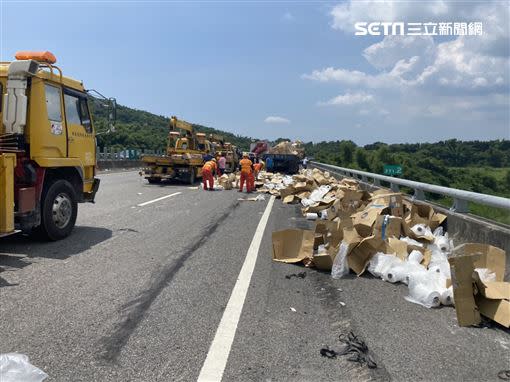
80, 135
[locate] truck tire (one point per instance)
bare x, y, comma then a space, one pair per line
154, 180
59, 209
192, 177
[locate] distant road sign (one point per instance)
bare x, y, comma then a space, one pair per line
392, 169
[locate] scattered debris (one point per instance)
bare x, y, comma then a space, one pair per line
395, 239
504, 375
327, 352
300, 275
342, 303
356, 349
15, 367
258, 198
294, 310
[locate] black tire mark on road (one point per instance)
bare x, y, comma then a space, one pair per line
133, 312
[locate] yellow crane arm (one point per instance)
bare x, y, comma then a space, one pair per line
178, 124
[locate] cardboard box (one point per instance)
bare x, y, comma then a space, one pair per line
324, 261
496, 310
492, 299
364, 220
393, 202
292, 245
409, 222
361, 254
387, 226
287, 191
461, 268
398, 247
289, 199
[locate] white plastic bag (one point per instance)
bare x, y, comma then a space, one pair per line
316, 195
380, 263
311, 216
15, 367
447, 296
410, 241
398, 272
340, 266
485, 274
423, 290
321, 249
442, 267
415, 257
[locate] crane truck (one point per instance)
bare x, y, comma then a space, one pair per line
47, 147
184, 155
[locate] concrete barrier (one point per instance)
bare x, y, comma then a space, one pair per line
112, 164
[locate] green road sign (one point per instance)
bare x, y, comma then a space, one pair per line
392, 169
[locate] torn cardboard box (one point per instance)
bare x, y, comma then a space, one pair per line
361, 254
364, 220
492, 298
324, 261
391, 201
292, 245
387, 226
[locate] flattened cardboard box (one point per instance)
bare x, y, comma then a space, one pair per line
292, 245
492, 300
462, 268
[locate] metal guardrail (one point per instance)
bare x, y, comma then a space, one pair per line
460, 197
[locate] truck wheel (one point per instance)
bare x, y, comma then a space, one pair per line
192, 177
59, 209
154, 180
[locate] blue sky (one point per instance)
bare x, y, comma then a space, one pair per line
286, 69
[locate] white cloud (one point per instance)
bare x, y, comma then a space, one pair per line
287, 16
401, 62
348, 99
346, 14
277, 120
410, 73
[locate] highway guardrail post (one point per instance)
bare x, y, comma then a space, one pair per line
460, 206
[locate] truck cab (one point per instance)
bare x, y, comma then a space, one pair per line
47, 135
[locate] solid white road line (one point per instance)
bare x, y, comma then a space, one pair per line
158, 199
214, 365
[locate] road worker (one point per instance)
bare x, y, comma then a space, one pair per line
222, 163
207, 174
246, 166
257, 167
207, 156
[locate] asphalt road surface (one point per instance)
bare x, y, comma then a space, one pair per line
148, 282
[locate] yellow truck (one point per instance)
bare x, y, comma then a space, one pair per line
231, 156
185, 153
225, 148
47, 147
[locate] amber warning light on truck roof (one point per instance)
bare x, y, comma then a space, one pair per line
46, 56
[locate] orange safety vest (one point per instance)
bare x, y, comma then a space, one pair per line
209, 166
257, 166
245, 165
